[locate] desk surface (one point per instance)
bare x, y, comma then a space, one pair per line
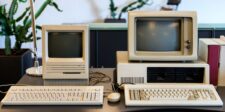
106, 107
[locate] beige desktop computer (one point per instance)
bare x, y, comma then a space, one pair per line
162, 48
161, 66
65, 54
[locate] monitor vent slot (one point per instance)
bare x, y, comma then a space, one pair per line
132, 79
65, 69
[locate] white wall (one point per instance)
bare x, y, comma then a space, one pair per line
87, 11
83, 11
209, 11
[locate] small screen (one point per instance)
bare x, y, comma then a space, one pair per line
158, 34
65, 44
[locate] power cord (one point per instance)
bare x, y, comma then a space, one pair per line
6, 85
114, 88
98, 77
118, 87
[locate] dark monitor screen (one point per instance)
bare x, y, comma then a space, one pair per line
65, 44
158, 34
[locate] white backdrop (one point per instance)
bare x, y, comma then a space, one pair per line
87, 11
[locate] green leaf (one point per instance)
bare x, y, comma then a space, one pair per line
23, 1
13, 25
10, 25
30, 35
56, 6
38, 27
13, 9
39, 11
124, 9
113, 9
23, 14
2, 24
5, 26
7, 45
26, 18
28, 38
133, 6
3, 10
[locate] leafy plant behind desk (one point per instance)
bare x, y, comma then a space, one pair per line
19, 26
113, 9
133, 6
138, 4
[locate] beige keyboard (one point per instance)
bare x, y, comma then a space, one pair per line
171, 95
54, 95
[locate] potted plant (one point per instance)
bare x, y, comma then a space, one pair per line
132, 6
14, 61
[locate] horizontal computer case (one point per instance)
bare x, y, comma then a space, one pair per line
160, 72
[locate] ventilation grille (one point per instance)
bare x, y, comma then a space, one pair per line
65, 69
132, 79
61, 82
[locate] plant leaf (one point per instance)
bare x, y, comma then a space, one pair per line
2, 9
26, 18
56, 6
38, 27
13, 9
132, 6
7, 45
23, 1
5, 28
23, 14
39, 11
30, 35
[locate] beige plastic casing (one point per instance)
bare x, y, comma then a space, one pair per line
54, 68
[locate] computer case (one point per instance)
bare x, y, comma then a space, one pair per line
160, 72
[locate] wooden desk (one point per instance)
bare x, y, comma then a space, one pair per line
106, 107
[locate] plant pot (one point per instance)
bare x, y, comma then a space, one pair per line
13, 67
110, 20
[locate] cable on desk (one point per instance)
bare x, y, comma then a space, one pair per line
121, 86
3, 92
6, 85
114, 88
98, 77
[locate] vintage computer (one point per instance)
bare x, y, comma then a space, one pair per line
65, 60
65, 54
161, 66
65, 71
162, 47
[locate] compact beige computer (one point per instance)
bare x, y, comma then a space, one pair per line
65, 54
162, 36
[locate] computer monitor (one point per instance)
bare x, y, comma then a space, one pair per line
162, 36
65, 56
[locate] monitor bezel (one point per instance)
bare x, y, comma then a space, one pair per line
61, 41
181, 55
158, 52
65, 28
